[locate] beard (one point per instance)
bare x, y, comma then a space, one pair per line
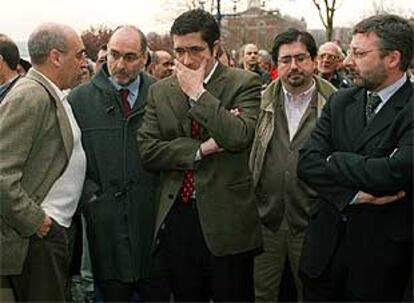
370, 80
296, 79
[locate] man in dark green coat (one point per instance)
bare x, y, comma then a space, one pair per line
119, 195
197, 131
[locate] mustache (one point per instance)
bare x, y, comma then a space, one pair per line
120, 71
291, 74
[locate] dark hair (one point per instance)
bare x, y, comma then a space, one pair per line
394, 33
9, 52
197, 20
142, 38
294, 35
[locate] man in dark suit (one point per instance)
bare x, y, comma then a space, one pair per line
9, 58
359, 159
119, 195
197, 131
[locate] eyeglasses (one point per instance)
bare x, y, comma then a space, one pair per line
328, 57
128, 57
299, 59
192, 51
359, 54
79, 55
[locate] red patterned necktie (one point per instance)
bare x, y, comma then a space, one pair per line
187, 187
126, 107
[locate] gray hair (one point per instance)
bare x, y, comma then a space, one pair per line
265, 56
44, 39
337, 48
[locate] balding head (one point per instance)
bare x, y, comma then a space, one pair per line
46, 37
162, 64
129, 32
332, 48
126, 54
329, 57
57, 51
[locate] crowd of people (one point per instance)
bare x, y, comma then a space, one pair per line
185, 175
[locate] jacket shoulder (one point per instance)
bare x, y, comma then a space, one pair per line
343, 97
148, 79
242, 75
29, 91
77, 94
325, 87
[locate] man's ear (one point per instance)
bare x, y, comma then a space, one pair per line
394, 59
55, 57
216, 47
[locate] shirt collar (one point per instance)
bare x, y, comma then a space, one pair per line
61, 95
133, 87
386, 93
210, 74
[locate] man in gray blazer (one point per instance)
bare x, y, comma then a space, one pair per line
42, 168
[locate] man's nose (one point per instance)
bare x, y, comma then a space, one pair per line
293, 64
348, 61
187, 59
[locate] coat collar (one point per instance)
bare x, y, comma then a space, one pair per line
63, 120
101, 80
272, 94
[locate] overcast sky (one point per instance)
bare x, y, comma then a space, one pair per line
20, 17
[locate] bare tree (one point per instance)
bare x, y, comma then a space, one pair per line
326, 10
380, 7
94, 37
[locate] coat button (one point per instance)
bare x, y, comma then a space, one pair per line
344, 218
162, 226
157, 242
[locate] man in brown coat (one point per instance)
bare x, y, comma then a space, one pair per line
42, 167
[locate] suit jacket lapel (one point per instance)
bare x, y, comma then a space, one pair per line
179, 103
355, 118
216, 85
386, 115
63, 120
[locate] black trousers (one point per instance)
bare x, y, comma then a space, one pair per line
45, 274
146, 290
192, 272
367, 265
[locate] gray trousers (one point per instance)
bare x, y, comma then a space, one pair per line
269, 266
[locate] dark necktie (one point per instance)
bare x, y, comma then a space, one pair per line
187, 187
373, 101
126, 107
